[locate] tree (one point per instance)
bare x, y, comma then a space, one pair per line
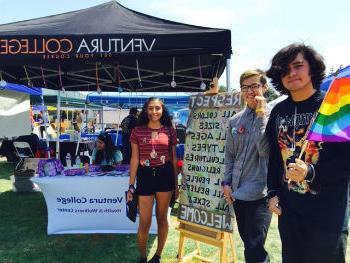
222, 88
271, 94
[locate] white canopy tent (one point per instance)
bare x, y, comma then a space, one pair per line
14, 114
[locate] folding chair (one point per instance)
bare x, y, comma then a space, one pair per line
23, 151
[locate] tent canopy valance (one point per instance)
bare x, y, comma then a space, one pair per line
135, 101
20, 88
65, 101
110, 46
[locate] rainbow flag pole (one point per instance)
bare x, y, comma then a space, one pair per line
332, 122
303, 149
305, 143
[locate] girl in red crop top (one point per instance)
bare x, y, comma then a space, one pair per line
153, 167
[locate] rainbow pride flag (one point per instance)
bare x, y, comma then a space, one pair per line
332, 123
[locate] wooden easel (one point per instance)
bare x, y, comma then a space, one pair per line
205, 235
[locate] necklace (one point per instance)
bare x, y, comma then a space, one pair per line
294, 124
154, 136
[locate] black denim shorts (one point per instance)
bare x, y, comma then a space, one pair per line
150, 180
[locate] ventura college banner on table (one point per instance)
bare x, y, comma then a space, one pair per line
87, 205
202, 201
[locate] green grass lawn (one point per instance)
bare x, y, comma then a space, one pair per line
23, 236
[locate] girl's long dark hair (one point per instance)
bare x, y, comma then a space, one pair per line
109, 150
143, 120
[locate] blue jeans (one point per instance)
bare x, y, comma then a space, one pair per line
253, 221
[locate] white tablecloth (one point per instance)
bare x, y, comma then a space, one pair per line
84, 204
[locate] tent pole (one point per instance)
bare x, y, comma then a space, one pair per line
85, 115
81, 129
117, 135
78, 142
58, 125
228, 75
102, 119
45, 122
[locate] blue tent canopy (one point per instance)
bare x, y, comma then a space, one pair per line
345, 72
127, 101
21, 88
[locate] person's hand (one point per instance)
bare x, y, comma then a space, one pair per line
260, 105
129, 196
228, 194
274, 207
297, 171
86, 167
176, 193
130, 193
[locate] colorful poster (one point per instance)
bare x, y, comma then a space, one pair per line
202, 199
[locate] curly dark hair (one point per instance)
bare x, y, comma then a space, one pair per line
280, 62
109, 150
143, 120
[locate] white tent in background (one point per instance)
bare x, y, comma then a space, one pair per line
14, 114
272, 103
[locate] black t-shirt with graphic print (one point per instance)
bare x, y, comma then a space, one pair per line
324, 199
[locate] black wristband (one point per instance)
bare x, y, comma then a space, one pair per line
310, 175
131, 188
223, 183
272, 193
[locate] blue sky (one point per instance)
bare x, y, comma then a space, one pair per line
259, 27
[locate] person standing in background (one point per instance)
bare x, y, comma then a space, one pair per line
127, 125
80, 119
40, 122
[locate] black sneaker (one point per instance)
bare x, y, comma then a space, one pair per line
155, 259
142, 260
